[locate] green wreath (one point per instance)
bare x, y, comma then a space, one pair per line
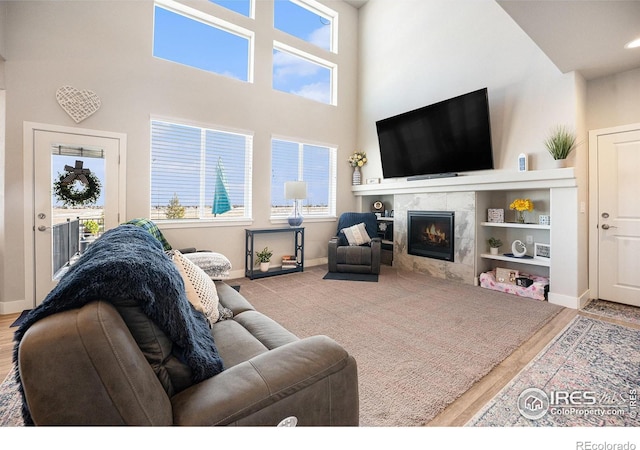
72, 197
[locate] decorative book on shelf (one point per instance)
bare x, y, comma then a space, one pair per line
289, 262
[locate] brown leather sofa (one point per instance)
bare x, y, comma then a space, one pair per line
83, 367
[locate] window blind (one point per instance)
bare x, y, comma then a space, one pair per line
199, 173
297, 161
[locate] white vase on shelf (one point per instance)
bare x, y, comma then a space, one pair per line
357, 176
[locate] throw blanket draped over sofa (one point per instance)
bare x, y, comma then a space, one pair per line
128, 264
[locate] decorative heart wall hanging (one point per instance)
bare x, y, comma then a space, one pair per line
78, 104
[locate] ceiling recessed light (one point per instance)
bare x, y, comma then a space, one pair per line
633, 44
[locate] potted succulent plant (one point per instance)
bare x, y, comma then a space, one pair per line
263, 257
494, 245
560, 144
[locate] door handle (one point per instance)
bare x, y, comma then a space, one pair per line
43, 228
606, 226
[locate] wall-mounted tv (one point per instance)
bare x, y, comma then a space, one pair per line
441, 139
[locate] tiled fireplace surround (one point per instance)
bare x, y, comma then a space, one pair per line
463, 204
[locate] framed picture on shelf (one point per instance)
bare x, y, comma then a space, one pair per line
495, 215
542, 251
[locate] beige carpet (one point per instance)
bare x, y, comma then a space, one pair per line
420, 342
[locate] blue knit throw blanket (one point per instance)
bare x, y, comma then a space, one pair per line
127, 263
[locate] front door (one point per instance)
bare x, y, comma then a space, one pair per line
618, 160
76, 199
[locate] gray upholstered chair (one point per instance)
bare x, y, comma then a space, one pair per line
355, 258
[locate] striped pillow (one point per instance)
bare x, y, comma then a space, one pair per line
357, 234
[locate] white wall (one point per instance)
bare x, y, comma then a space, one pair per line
450, 48
614, 100
105, 46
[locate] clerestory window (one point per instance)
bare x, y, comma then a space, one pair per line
187, 36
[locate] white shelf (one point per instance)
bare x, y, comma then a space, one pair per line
530, 261
534, 226
385, 219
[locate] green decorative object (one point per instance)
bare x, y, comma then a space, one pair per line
264, 255
560, 143
66, 191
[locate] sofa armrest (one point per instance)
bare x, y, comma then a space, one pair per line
313, 379
376, 250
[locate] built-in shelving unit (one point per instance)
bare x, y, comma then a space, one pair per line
554, 192
522, 260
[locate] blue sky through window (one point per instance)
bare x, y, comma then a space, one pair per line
187, 41
302, 23
194, 43
240, 6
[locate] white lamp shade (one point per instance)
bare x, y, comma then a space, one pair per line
295, 190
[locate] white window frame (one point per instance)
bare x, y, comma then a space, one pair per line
215, 22
333, 177
322, 11
247, 219
332, 67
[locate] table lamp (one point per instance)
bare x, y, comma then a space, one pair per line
296, 191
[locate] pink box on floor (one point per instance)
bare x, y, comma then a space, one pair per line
538, 290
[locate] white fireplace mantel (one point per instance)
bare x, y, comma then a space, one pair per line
494, 180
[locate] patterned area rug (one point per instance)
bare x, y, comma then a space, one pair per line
587, 376
10, 403
613, 310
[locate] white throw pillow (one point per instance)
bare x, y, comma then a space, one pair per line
201, 290
357, 234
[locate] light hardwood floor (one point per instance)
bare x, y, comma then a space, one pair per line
6, 344
457, 414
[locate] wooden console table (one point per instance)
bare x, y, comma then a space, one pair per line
298, 251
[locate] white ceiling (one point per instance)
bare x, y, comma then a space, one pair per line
587, 36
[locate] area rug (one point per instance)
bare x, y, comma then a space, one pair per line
10, 402
351, 276
587, 376
613, 310
419, 342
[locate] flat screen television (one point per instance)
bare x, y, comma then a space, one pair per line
441, 139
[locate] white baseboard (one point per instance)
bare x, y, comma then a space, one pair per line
15, 306
564, 300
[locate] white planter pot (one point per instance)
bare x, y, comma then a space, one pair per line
264, 267
493, 250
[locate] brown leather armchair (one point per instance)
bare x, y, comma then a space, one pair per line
365, 258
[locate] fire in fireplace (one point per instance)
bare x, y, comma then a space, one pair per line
431, 234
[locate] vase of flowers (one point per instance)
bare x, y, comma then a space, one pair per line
357, 160
520, 205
